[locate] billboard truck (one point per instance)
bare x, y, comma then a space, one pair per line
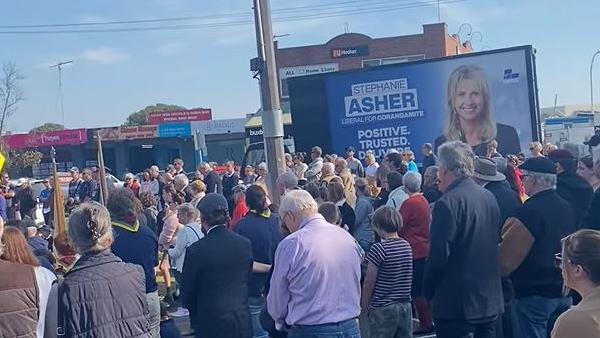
476, 98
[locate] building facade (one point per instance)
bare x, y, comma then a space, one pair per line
354, 50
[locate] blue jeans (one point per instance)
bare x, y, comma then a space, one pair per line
345, 329
537, 314
256, 305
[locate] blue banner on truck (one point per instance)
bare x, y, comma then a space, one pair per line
474, 98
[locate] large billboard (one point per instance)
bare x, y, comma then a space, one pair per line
46, 139
474, 98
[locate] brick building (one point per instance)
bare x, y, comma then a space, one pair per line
353, 50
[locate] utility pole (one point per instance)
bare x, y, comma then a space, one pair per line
592, 82
269, 88
60, 95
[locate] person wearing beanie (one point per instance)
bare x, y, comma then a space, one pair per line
530, 239
570, 186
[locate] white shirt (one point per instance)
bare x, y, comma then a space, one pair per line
44, 279
187, 236
371, 170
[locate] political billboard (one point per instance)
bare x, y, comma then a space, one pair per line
475, 98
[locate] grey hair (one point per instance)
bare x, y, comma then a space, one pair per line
328, 167
187, 211
297, 202
542, 181
155, 168
573, 148
412, 181
288, 180
262, 166
181, 181
341, 162
457, 157
205, 165
90, 228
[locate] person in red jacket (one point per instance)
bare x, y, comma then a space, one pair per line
241, 208
416, 217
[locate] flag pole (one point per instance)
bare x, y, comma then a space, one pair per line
60, 224
101, 171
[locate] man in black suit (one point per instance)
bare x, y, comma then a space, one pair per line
486, 174
216, 274
230, 180
462, 275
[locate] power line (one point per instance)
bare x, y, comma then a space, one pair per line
329, 13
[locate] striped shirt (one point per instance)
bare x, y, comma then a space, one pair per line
393, 259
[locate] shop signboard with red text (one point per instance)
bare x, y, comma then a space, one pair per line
47, 139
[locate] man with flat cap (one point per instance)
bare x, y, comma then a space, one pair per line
530, 241
486, 174
216, 272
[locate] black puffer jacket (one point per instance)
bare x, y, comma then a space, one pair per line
577, 191
104, 297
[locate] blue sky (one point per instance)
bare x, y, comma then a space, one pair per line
115, 74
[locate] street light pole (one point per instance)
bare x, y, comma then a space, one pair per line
60, 95
269, 87
592, 81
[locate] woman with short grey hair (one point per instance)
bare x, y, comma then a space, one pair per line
412, 182
109, 293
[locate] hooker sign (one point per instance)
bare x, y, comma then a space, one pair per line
47, 139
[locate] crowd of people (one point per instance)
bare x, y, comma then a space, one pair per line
463, 246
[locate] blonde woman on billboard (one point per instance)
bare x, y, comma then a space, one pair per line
470, 114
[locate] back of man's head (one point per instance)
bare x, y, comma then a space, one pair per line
120, 205
394, 179
330, 212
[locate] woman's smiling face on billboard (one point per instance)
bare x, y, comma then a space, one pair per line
469, 101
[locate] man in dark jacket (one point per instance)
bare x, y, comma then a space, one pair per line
592, 220
216, 273
570, 186
230, 181
487, 175
88, 189
530, 240
462, 275
135, 243
211, 179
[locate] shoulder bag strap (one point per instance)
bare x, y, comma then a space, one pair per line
194, 230
60, 324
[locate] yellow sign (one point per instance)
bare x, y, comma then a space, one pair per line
2, 161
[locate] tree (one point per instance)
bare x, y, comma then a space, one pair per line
10, 92
47, 127
141, 117
19, 162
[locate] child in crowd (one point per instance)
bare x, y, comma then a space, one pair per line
330, 212
386, 295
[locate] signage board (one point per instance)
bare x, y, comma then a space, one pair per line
199, 114
214, 127
47, 139
175, 130
286, 73
129, 133
403, 106
349, 52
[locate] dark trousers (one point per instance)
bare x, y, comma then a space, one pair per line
464, 329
